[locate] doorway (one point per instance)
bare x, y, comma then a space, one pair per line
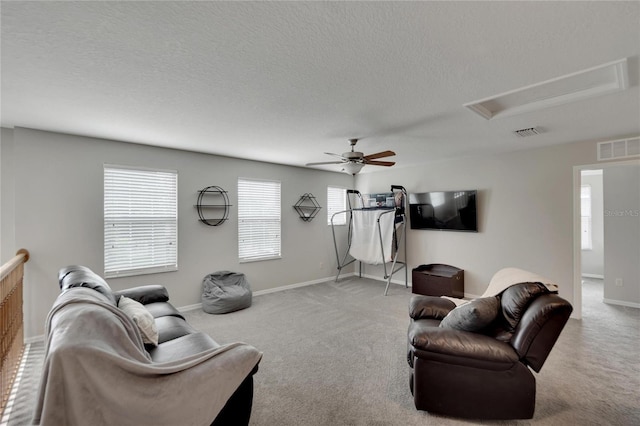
592, 259
592, 234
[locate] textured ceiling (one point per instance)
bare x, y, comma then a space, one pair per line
284, 82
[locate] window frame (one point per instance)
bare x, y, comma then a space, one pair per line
145, 215
332, 208
248, 212
586, 214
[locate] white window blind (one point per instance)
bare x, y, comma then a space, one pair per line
140, 221
585, 217
336, 202
259, 227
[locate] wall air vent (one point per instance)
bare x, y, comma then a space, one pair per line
621, 148
597, 81
531, 131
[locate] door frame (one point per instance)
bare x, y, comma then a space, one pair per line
577, 249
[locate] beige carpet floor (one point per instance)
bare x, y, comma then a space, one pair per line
335, 354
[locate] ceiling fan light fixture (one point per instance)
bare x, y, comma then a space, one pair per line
353, 168
353, 161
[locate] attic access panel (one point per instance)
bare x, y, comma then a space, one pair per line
597, 81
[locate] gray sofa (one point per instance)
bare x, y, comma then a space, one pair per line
99, 370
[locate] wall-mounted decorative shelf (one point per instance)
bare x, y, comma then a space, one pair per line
213, 199
307, 207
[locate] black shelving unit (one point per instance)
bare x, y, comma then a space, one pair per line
307, 207
213, 199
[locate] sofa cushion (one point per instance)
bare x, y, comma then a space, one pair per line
145, 294
163, 309
170, 328
182, 347
473, 316
143, 319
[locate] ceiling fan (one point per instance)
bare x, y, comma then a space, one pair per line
354, 161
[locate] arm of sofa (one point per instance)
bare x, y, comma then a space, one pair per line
469, 348
145, 294
539, 329
422, 307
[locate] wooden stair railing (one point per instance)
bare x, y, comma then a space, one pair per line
11, 321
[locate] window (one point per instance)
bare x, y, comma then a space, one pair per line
140, 221
336, 202
258, 220
585, 217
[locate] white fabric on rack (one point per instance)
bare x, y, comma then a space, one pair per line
365, 239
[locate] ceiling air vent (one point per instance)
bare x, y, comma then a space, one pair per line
531, 131
621, 148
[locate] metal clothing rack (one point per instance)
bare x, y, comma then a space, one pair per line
399, 233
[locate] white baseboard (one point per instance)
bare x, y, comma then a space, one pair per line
379, 278
409, 283
621, 303
190, 307
290, 286
197, 306
267, 291
297, 285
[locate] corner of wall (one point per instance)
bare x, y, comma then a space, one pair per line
7, 213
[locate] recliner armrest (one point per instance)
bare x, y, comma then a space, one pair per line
429, 307
539, 329
145, 294
429, 341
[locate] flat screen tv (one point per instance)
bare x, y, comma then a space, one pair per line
444, 211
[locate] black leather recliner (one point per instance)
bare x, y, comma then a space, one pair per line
476, 363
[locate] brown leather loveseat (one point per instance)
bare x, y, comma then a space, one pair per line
475, 360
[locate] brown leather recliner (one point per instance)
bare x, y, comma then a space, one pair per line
474, 361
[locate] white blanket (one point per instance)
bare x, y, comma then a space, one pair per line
97, 372
507, 277
365, 237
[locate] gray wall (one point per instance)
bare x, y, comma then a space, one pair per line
53, 207
58, 199
593, 260
525, 208
7, 230
622, 234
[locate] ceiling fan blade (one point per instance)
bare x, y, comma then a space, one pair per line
379, 163
379, 155
335, 155
324, 162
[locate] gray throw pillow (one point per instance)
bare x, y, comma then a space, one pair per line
472, 316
